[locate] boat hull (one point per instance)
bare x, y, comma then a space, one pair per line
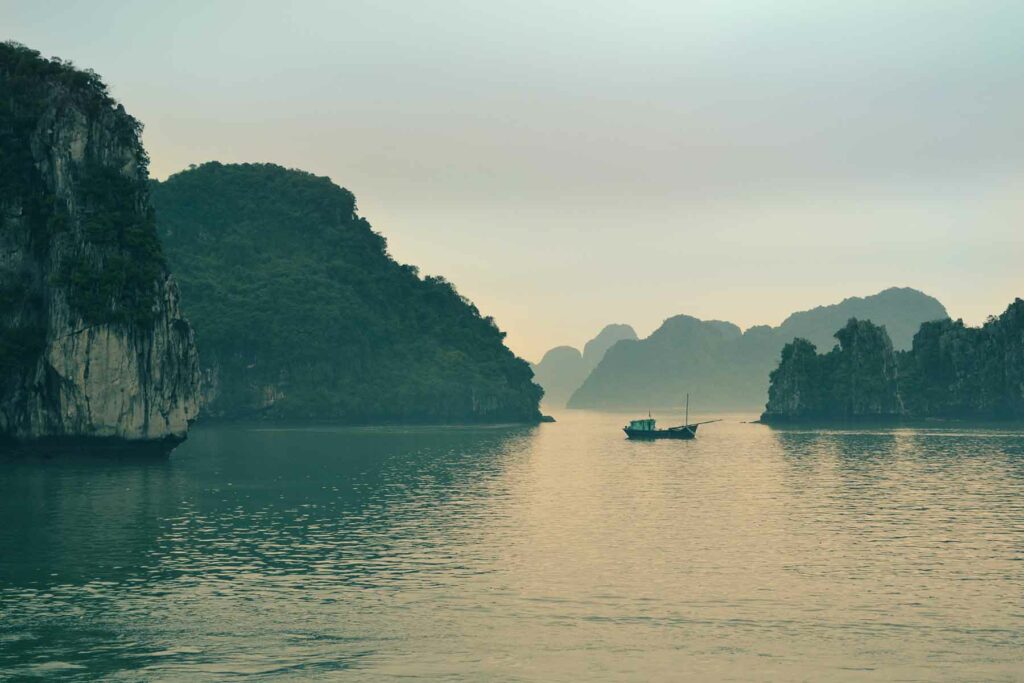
652, 434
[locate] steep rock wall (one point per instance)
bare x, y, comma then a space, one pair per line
92, 340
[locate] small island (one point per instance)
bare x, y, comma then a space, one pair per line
952, 372
301, 313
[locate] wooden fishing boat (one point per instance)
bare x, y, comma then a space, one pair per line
648, 429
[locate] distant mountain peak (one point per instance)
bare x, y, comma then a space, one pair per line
561, 352
901, 309
563, 368
615, 329
608, 337
685, 324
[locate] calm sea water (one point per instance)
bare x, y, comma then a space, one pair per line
553, 553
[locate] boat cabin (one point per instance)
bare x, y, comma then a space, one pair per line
642, 425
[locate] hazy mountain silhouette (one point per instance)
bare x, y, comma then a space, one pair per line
562, 369
560, 372
724, 368
595, 349
900, 309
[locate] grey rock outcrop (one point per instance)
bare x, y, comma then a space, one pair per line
92, 340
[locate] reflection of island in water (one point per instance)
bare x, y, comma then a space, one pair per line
871, 462
80, 513
95, 541
77, 511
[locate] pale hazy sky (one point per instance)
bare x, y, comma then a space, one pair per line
571, 164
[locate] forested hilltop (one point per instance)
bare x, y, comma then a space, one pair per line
300, 312
951, 371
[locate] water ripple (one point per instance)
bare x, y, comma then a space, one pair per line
560, 552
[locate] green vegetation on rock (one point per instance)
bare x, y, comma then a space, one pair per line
91, 339
856, 379
951, 371
113, 221
108, 255
959, 371
300, 312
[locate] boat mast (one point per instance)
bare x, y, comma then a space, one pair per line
687, 420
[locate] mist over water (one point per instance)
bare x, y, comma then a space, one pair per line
557, 552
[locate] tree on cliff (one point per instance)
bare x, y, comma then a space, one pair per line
796, 385
862, 372
857, 378
959, 371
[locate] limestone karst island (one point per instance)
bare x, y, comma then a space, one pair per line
94, 342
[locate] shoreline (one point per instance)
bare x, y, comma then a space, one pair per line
890, 421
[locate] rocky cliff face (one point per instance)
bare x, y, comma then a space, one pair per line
796, 385
955, 371
858, 379
92, 340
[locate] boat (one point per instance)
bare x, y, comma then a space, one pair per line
648, 429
